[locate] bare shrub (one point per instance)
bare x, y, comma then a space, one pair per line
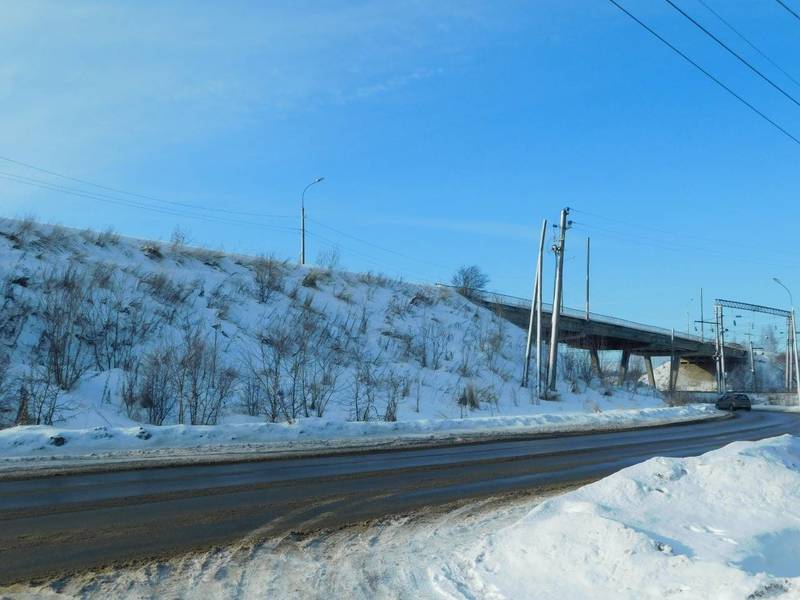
431, 340
62, 310
152, 250
103, 275
371, 279
56, 239
149, 386
268, 275
252, 398
210, 258
468, 398
469, 280
490, 342
367, 378
329, 259
344, 295
107, 238
296, 363
178, 239
576, 366
117, 325
203, 382
396, 389
165, 290
221, 299
314, 277
7, 410
38, 397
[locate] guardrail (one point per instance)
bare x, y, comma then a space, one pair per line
525, 303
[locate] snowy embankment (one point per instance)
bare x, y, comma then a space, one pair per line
725, 525
109, 343
23, 444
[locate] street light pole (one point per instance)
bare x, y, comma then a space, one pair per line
303, 220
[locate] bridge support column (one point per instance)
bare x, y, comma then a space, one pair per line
674, 367
595, 357
623, 365
648, 365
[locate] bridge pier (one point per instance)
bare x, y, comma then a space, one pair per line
674, 367
648, 365
623, 365
595, 357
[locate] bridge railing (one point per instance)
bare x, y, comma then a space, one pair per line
525, 303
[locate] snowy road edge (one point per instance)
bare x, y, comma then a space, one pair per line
28, 467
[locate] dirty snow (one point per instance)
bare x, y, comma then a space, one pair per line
19, 445
725, 525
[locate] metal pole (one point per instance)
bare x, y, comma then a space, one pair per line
752, 366
540, 268
672, 376
302, 233
787, 377
588, 254
796, 358
721, 328
702, 326
552, 365
537, 282
718, 369
303, 220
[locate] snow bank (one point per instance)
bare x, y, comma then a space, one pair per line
44, 441
723, 525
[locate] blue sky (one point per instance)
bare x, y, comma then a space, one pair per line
446, 132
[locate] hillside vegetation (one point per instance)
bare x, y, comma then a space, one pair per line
100, 329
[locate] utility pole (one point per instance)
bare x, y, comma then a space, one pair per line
702, 326
536, 303
796, 359
721, 330
752, 365
303, 220
588, 254
552, 364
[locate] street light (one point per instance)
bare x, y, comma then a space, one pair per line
793, 334
303, 220
780, 283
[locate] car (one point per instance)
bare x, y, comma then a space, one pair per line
733, 402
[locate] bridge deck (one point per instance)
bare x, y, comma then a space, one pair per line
609, 333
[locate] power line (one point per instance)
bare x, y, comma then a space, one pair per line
368, 243
784, 5
733, 52
706, 73
748, 42
142, 196
672, 235
121, 202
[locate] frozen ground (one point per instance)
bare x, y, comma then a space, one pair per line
725, 525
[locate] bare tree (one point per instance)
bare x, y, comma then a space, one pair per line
469, 279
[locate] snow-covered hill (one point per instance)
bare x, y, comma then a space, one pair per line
100, 330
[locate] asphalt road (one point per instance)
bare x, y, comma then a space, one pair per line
59, 524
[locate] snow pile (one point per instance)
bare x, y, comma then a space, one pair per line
723, 525
103, 331
46, 441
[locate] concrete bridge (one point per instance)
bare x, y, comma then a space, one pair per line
601, 332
